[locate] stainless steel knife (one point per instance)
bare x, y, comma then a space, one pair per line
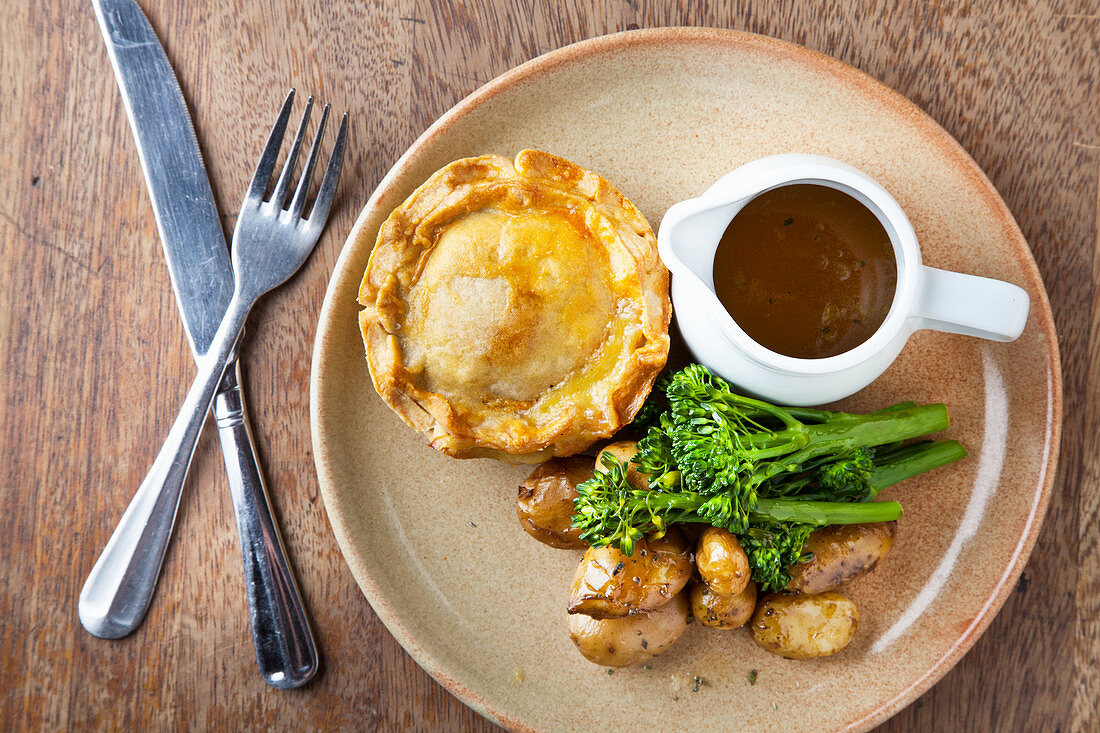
118, 590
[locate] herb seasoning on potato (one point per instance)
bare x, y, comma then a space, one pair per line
723, 612
610, 584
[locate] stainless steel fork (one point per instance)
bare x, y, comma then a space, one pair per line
270, 243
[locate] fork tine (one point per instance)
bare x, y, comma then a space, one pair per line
283, 185
299, 201
271, 152
319, 213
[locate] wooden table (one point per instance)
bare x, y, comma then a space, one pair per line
95, 363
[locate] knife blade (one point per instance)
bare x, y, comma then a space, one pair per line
114, 601
183, 204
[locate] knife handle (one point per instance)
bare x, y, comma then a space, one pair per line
285, 650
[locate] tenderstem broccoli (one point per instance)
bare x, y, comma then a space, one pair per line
768, 474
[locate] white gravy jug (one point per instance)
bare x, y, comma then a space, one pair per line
925, 297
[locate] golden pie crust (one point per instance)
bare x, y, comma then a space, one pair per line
515, 309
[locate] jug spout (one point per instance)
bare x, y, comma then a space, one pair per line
689, 235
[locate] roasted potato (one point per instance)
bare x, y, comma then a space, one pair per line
722, 564
618, 642
608, 584
545, 505
624, 450
799, 626
841, 552
722, 612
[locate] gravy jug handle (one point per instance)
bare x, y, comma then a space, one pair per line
970, 305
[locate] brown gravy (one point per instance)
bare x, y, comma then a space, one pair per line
806, 270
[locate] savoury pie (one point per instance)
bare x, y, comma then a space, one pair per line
515, 309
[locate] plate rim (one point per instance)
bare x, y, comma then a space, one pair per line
853, 78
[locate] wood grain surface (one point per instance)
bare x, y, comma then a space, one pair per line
95, 363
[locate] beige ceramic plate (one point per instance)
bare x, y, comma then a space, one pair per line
434, 542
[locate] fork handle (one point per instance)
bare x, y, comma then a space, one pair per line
117, 592
285, 651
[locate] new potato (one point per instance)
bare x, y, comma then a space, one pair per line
722, 564
624, 450
799, 626
840, 553
619, 642
609, 584
545, 503
722, 612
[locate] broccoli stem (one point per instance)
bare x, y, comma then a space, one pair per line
682, 506
821, 513
908, 461
843, 431
813, 415
808, 414
899, 406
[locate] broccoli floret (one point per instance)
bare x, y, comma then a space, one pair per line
772, 549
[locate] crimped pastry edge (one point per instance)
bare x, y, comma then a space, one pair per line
398, 258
